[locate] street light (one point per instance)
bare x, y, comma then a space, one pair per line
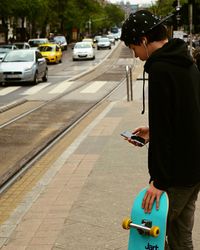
190, 10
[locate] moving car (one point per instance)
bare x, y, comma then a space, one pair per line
96, 38
5, 48
61, 40
51, 52
111, 38
35, 42
103, 43
24, 65
83, 50
116, 35
22, 45
89, 40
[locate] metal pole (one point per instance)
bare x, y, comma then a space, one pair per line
131, 83
127, 82
190, 25
178, 16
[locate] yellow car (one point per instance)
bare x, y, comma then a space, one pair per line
51, 52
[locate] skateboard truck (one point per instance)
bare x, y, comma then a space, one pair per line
145, 228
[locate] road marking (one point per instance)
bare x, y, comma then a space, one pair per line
8, 90
61, 87
35, 89
94, 87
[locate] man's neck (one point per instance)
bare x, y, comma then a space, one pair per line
156, 45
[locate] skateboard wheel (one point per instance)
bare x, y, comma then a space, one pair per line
155, 231
126, 223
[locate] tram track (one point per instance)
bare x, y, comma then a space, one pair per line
85, 77
30, 135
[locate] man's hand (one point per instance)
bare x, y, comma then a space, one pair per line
152, 194
142, 132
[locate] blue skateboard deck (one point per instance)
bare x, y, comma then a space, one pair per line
147, 231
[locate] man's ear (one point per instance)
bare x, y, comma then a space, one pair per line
144, 41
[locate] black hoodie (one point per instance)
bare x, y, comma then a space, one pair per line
174, 116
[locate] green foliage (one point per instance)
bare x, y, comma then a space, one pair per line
114, 14
62, 15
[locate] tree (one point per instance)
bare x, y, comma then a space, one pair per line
5, 13
58, 16
115, 15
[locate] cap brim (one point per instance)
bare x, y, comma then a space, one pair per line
163, 20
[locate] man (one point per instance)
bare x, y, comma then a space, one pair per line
173, 132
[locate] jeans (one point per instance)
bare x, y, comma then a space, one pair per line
181, 217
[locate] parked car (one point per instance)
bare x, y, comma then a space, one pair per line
111, 38
104, 43
51, 52
24, 65
83, 50
22, 45
61, 40
5, 48
35, 42
89, 40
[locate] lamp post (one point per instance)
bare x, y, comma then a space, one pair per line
190, 12
178, 16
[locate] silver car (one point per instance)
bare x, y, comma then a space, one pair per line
23, 65
60, 40
83, 50
103, 43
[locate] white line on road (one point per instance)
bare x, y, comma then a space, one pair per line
35, 89
60, 88
8, 90
94, 87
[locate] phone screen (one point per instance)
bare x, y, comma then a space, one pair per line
136, 138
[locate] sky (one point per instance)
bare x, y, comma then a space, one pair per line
134, 1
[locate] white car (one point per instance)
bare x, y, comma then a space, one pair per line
116, 35
96, 38
111, 38
5, 48
83, 50
22, 45
35, 42
103, 43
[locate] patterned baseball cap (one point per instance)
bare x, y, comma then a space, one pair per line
138, 24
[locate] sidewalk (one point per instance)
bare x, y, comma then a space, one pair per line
80, 202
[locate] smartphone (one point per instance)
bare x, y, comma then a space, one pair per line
135, 138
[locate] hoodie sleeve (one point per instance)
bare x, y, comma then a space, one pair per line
160, 125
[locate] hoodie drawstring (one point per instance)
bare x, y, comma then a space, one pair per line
143, 94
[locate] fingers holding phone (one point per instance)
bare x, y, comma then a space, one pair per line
134, 139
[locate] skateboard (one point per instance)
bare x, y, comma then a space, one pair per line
147, 230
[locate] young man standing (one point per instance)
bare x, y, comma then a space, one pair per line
173, 132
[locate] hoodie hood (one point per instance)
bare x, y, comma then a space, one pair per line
174, 52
